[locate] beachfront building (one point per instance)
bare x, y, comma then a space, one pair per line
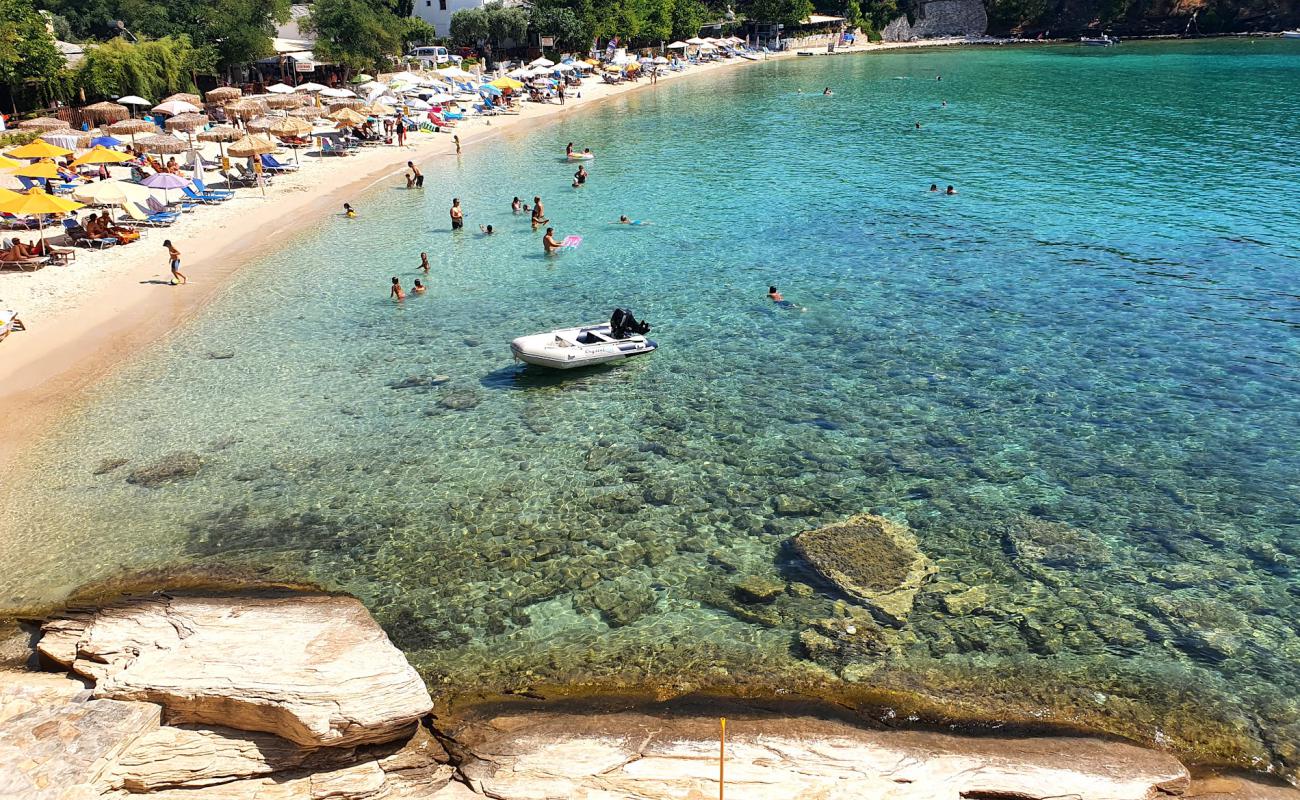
438, 12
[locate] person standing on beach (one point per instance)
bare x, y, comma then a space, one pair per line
457, 214
455, 139
419, 176
396, 292
401, 133
174, 257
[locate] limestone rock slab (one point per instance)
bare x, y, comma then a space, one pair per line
871, 559
314, 669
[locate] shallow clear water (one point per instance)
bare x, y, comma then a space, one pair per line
1096, 341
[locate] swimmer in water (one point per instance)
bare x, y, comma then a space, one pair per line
950, 190
918, 126
568, 149
424, 263
457, 214
418, 288
579, 177
396, 292
827, 92
945, 104
549, 243
517, 205
348, 212
776, 297
934, 187
539, 214
623, 220
486, 229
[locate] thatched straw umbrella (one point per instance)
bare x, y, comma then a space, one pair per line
251, 147
188, 123
224, 94
307, 112
131, 127
258, 125
246, 108
166, 145
192, 99
106, 112
42, 124
221, 134
350, 102
285, 100
291, 128
346, 117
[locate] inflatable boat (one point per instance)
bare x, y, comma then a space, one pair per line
568, 348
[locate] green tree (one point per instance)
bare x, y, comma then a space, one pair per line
493, 23
785, 12
469, 27
562, 23
29, 61
237, 31
355, 34
688, 16
853, 14
150, 69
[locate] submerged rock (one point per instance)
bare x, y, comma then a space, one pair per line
168, 469
419, 382
757, 589
108, 465
462, 400
1054, 544
871, 559
313, 669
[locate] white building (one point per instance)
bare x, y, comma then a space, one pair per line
438, 12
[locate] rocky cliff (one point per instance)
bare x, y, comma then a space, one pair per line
1140, 17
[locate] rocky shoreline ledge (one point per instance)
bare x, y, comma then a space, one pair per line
302, 697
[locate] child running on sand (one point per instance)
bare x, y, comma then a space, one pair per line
174, 257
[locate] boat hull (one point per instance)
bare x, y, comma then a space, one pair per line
544, 349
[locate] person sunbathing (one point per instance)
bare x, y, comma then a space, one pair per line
18, 252
121, 234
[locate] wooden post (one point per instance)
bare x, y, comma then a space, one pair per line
722, 758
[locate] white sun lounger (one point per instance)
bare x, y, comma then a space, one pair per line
9, 323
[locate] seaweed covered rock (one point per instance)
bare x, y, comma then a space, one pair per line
870, 559
168, 469
1036, 543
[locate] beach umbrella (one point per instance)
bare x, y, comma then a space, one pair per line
192, 99
66, 137
370, 86
280, 88
105, 141
188, 122
377, 109
42, 124
7, 194
306, 112
660, 60
9, 163
678, 46
110, 112
346, 116
488, 88
131, 127
38, 149
506, 83
247, 108
251, 146
36, 202
111, 193
541, 62
101, 155
353, 103
285, 100
175, 107
330, 92
165, 144
294, 128
165, 181
311, 87
362, 78
258, 125
44, 169
223, 94
221, 134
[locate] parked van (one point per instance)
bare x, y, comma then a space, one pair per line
433, 56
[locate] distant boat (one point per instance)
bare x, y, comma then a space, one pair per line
1098, 41
1291, 34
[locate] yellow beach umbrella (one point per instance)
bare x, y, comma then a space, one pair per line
7, 194
101, 155
41, 169
9, 163
36, 202
38, 149
507, 83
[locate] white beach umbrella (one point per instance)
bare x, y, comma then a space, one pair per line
541, 62
678, 46
332, 92
174, 107
519, 73
660, 60
564, 68
311, 87
111, 193
370, 86
455, 73
695, 40
416, 104
280, 88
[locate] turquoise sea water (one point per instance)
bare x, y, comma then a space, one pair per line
1076, 381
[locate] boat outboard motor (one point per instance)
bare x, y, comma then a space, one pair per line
622, 324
